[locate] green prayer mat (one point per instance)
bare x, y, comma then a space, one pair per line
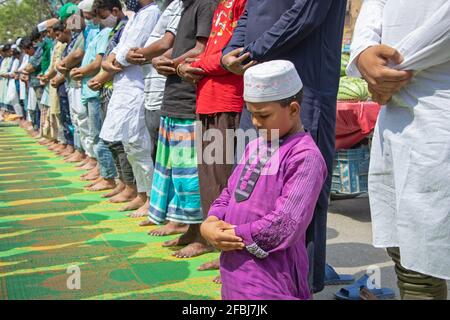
49, 224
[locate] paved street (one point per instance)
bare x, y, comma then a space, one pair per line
350, 249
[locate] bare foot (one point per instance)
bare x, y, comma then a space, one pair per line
217, 280
169, 229
194, 244
127, 194
135, 204
76, 157
95, 170
61, 149
94, 182
104, 184
194, 249
91, 176
142, 211
120, 186
146, 223
53, 146
212, 265
43, 141
91, 164
83, 162
67, 152
50, 143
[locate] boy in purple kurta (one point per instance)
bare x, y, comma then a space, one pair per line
260, 220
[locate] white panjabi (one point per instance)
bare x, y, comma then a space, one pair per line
271, 81
409, 174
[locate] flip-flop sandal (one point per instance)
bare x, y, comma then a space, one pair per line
352, 292
333, 278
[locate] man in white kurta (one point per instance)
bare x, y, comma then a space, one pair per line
125, 118
409, 178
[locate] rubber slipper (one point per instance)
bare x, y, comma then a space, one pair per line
352, 292
333, 278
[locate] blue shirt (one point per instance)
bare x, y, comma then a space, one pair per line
96, 46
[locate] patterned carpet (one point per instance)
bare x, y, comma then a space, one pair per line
49, 223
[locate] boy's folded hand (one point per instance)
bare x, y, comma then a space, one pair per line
221, 235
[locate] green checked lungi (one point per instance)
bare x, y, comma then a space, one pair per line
175, 193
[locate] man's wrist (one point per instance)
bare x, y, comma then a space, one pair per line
223, 65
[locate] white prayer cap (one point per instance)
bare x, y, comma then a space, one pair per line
271, 81
86, 5
42, 26
18, 41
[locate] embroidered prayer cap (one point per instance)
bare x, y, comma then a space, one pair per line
86, 5
67, 10
271, 81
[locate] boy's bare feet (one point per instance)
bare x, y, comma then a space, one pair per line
142, 211
127, 194
217, 280
135, 204
194, 244
120, 186
103, 184
169, 229
212, 265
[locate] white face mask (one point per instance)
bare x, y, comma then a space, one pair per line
109, 22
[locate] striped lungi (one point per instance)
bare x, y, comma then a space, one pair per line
175, 193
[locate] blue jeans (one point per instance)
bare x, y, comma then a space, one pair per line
101, 150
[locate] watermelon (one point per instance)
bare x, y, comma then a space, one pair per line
353, 89
344, 63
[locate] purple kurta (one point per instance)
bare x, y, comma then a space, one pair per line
272, 222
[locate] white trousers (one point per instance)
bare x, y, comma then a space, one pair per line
139, 156
80, 121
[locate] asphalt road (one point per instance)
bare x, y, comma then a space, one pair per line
350, 249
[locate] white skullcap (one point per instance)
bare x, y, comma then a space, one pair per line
18, 41
86, 5
271, 81
42, 26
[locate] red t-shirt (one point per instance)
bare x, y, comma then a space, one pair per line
220, 90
